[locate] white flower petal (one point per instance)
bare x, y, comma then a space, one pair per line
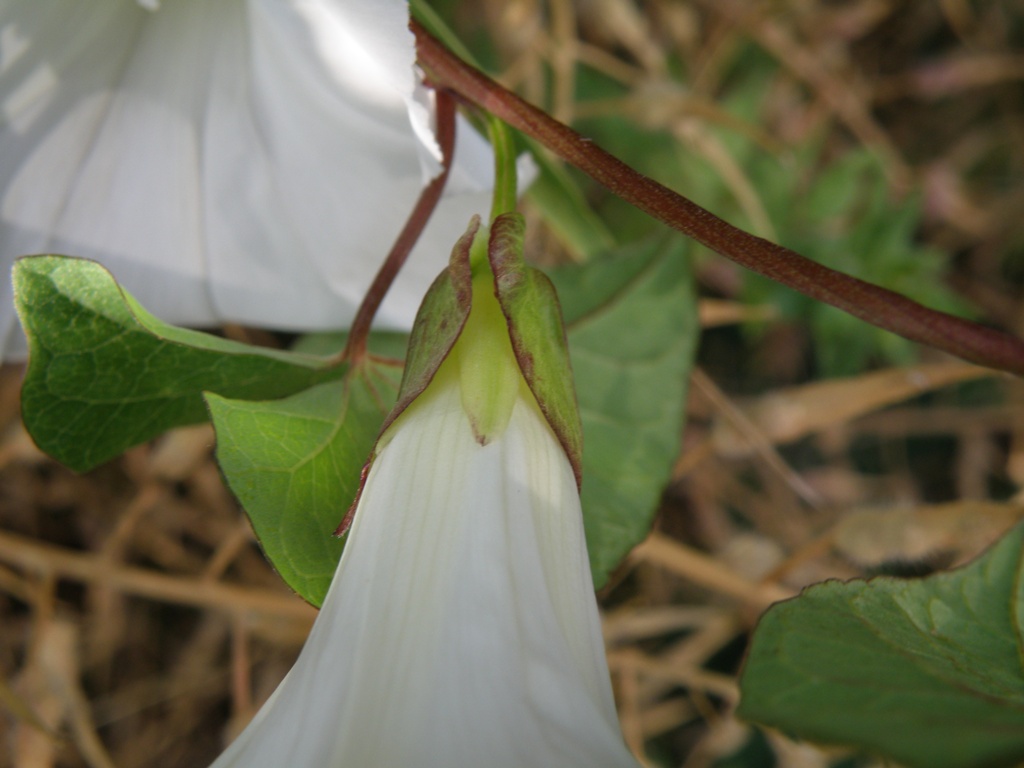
461, 627
243, 160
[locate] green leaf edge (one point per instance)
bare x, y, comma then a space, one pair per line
32, 274
758, 706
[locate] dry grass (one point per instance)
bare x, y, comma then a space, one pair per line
141, 626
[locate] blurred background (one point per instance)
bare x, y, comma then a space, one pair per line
140, 625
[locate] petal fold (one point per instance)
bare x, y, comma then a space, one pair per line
245, 160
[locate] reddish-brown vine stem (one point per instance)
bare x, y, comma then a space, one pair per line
878, 306
355, 349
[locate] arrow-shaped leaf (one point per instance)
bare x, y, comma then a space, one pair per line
105, 375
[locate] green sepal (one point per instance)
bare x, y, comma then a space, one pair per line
439, 323
104, 374
927, 672
530, 305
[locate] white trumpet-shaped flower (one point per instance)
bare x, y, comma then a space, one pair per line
461, 627
238, 160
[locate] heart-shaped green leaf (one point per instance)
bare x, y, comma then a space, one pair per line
927, 672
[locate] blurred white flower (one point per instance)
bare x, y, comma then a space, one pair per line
461, 627
238, 160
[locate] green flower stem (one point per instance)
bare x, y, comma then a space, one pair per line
505, 185
880, 307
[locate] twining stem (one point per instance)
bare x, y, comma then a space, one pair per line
878, 306
355, 349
